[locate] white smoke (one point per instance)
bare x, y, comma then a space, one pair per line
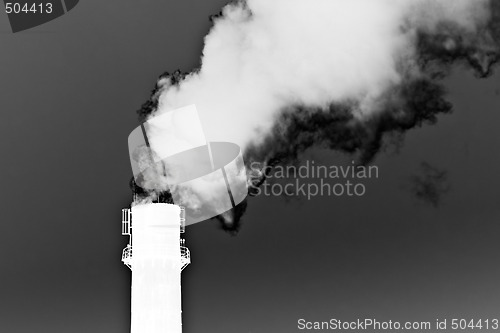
277, 76
263, 55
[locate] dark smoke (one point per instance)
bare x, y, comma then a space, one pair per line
451, 45
430, 185
148, 107
231, 221
411, 104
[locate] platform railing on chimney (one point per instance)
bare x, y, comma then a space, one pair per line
127, 251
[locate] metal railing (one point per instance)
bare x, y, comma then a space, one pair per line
185, 256
127, 256
127, 251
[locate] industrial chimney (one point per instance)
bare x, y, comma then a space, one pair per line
170, 153
158, 260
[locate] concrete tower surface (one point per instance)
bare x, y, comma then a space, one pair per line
157, 262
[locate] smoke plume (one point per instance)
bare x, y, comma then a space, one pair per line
278, 77
430, 185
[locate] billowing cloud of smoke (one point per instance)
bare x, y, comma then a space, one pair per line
430, 184
278, 77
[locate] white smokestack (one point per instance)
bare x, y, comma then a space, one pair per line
156, 269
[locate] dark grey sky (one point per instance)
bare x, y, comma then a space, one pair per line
69, 91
